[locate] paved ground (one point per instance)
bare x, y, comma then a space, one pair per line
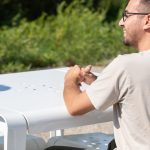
101, 127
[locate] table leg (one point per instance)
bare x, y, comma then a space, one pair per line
56, 133
14, 129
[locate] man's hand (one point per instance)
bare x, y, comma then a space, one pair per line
74, 75
77, 101
87, 76
78, 75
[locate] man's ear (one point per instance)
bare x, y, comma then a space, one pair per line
147, 22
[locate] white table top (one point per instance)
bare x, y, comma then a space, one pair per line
38, 96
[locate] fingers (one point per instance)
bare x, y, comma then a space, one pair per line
73, 74
85, 71
88, 68
75, 67
89, 77
80, 74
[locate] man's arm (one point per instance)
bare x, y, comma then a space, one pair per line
77, 101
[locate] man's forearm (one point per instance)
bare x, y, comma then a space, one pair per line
77, 101
71, 94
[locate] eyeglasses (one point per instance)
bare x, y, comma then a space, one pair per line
126, 14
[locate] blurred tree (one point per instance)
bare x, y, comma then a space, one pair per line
109, 7
12, 11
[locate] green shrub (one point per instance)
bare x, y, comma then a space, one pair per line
75, 35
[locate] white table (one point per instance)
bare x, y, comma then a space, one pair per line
32, 102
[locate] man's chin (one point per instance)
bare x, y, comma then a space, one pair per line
126, 43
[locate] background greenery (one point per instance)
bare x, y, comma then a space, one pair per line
51, 33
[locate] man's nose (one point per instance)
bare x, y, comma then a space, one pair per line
121, 22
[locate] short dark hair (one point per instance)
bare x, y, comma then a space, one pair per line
145, 5
145, 1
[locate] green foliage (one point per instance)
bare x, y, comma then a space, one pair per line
75, 35
12, 11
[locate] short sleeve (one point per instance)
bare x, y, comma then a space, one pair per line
110, 87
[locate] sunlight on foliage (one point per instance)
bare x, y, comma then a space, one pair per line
75, 35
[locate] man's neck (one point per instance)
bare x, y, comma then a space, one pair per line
144, 45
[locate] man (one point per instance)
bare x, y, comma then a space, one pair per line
124, 83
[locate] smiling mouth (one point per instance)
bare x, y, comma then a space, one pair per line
124, 32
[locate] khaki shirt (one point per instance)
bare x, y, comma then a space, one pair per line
125, 84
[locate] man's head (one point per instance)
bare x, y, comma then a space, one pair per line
136, 23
